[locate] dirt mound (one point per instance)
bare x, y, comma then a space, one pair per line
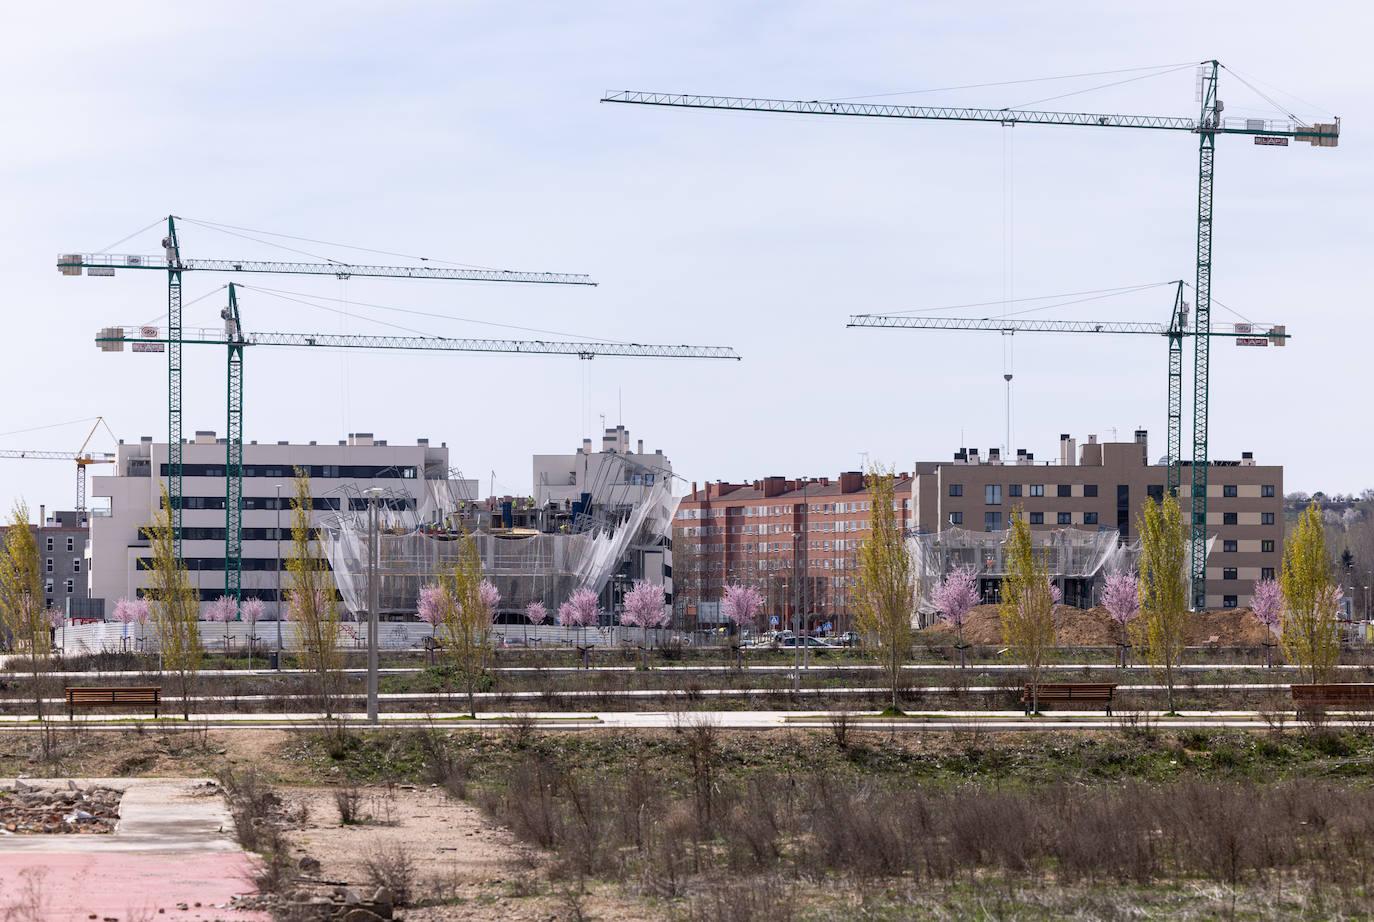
1093, 627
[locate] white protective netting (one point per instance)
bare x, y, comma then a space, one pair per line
1069, 553
524, 566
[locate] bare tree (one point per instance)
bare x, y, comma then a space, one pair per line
312, 600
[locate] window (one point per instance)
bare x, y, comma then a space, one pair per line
47, 586
1267, 545
1229, 491
76, 564
1228, 573
69, 585
1014, 489
1037, 489
47, 565
1230, 547
1229, 601
71, 544
1267, 491
1266, 572
956, 489
1266, 518
956, 518
1065, 518
1065, 489
1090, 518
992, 494
992, 521
1155, 491
1037, 518
50, 542
1228, 518
1089, 489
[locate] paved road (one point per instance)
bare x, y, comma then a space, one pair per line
738, 720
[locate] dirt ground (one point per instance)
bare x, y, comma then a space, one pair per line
1094, 627
464, 866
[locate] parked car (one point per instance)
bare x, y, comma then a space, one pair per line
808, 642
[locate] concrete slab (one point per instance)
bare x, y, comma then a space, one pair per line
173, 847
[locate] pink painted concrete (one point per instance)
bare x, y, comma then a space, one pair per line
128, 886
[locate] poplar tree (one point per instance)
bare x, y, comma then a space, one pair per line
1027, 610
1161, 629
312, 599
1310, 599
21, 596
886, 588
466, 619
176, 607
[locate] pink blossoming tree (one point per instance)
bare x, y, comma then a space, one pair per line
536, 614
955, 597
1121, 598
581, 610
741, 606
1267, 605
645, 608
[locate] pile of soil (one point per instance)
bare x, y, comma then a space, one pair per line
1093, 627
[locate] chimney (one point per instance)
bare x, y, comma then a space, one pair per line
639, 447
994, 456
1092, 453
694, 489
973, 456
1142, 438
851, 482
586, 446
774, 485
360, 439
1247, 459
42, 515
422, 442
961, 456
1067, 450
205, 437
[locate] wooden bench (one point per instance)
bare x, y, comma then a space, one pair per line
1087, 693
113, 696
1316, 698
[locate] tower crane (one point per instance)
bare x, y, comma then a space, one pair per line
1243, 334
171, 261
234, 340
1206, 126
81, 456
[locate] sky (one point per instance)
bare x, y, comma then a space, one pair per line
473, 132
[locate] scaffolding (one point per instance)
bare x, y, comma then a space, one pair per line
418, 542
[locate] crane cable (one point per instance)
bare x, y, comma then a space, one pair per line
977, 86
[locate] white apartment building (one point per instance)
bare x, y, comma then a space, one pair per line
412, 476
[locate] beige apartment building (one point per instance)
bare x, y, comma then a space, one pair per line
1100, 486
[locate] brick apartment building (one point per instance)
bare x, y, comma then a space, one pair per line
1100, 486
796, 541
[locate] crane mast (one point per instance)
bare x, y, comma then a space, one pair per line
1206, 126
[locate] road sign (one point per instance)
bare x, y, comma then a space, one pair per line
773, 620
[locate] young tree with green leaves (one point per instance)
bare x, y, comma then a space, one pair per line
1028, 599
1310, 599
312, 600
21, 596
466, 619
176, 608
1161, 629
886, 591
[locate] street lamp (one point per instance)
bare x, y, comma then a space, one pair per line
373, 560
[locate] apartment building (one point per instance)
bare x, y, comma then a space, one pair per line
795, 540
61, 540
1100, 486
411, 476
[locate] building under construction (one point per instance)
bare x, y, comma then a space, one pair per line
595, 519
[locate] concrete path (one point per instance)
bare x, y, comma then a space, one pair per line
173, 847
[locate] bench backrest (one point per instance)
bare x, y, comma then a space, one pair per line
1334, 691
115, 693
1076, 688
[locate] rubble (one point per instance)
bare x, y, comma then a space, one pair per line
343, 904
29, 810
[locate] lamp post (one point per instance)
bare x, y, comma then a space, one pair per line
278, 577
373, 560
